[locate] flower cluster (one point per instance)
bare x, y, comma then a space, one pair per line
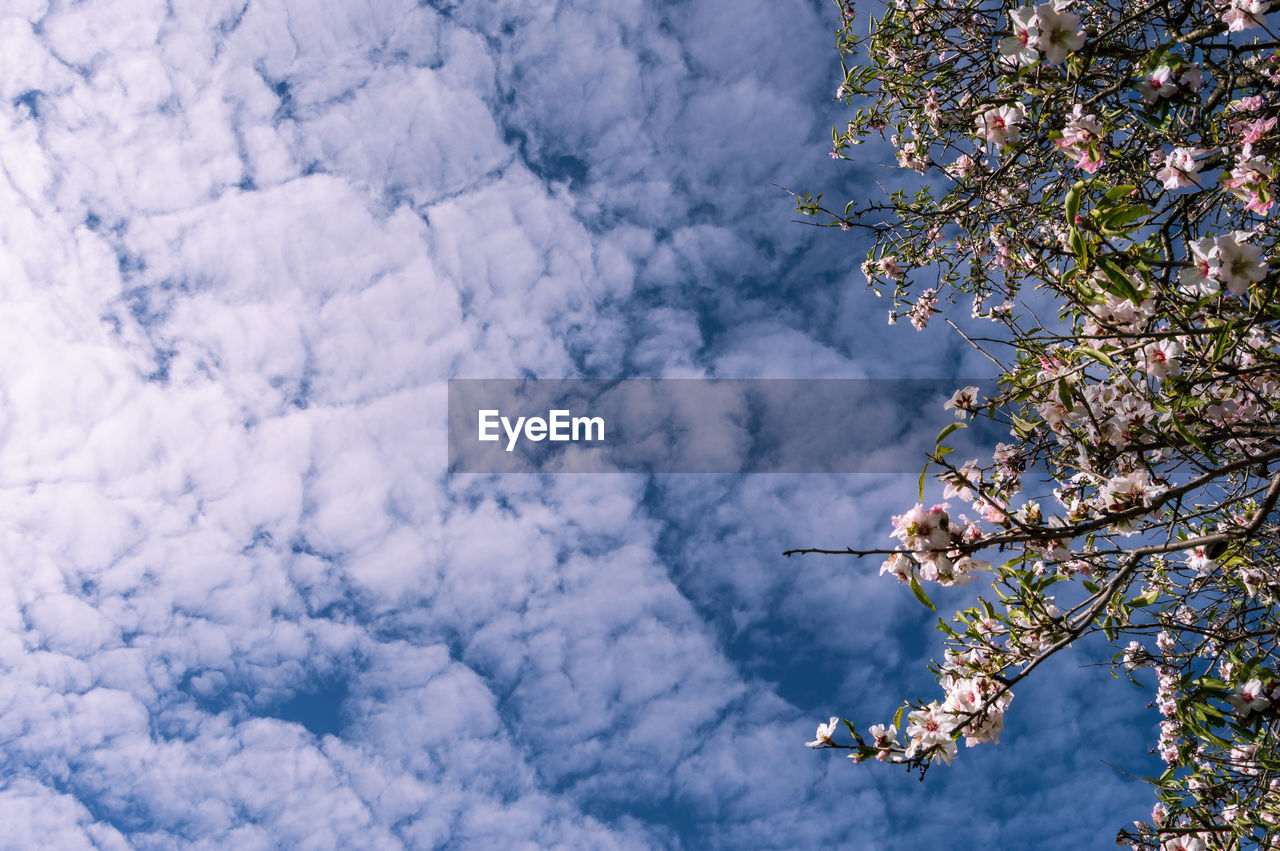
932, 547
1229, 261
1166, 80
1241, 15
1099, 183
1082, 139
1047, 30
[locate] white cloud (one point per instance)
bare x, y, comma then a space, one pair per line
242, 249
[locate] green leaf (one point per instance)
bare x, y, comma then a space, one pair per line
1191, 438
1146, 598
1117, 192
897, 716
1119, 282
1091, 587
942, 435
1217, 740
1118, 220
1078, 247
1220, 339
1097, 355
920, 487
920, 595
1049, 581
1212, 684
1213, 711
1071, 205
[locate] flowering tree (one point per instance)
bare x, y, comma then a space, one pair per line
1099, 183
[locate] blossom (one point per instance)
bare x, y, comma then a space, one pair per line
963, 402
1160, 358
1255, 130
1136, 656
1244, 759
884, 737
1158, 84
961, 167
889, 267
1125, 494
1190, 77
1018, 50
958, 571
1249, 698
899, 565
1082, 138
1240, 265
930, 730
882, 734
959, 483
825, 731
1248, 181
923, 529
999, 125
1198, 561
1181, 168
912, 155
1059, 32
924, 308
984, 700
1245, 14
1201, 278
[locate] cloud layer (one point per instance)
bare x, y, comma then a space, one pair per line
242, 604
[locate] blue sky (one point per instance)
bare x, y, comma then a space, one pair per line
243, 605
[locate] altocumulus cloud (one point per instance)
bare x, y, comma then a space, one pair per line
241, 247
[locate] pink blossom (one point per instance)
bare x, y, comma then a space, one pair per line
1160, 358
1198, 561
1256, 129
961, 167
899, 565
1082, 138
1136, 656
999, 125
1240, 265
1059, 32
889, 267
824, 734
1249, 698
1158, 84
1249, 181
1245, 14
1019, 49
1189, 77
923, 529
1201, 278
924, 308
962, 402
1181, 168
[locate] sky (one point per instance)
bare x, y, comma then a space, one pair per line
244, 604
